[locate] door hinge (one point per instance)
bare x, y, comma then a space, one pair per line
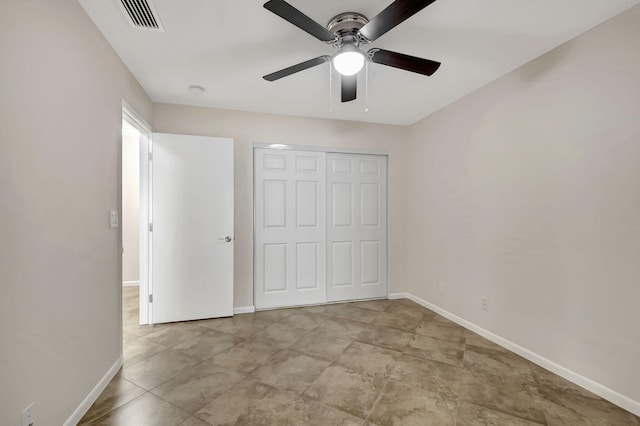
151, 298
151, 227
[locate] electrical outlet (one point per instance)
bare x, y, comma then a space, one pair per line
442, 287
29, 415
485, 303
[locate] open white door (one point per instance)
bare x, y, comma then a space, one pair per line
192, 219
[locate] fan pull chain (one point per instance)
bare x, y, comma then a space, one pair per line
366, 86
330, 89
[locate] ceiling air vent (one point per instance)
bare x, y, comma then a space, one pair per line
141, 14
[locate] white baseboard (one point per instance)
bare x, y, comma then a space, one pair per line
244, 310
392, 296
592, 386
94, 394
130, 283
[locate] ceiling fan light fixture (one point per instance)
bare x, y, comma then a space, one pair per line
349, 60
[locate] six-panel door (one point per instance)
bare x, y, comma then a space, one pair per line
290, 233
356, 227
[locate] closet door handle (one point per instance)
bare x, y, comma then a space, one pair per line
226, 239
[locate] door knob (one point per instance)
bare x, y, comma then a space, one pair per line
226, 239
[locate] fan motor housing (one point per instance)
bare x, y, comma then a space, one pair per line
347, 24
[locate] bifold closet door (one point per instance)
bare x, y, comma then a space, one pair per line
290, 232
356, 227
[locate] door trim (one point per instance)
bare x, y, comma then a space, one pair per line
326, 149
130, 115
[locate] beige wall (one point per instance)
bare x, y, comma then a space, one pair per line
527, 192
61, 88
130, 208
247, 128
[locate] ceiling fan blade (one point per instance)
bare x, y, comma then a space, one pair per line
396, 13
404, 62
299, 19
297, 68
349, 87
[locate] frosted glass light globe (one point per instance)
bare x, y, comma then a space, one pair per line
348, 62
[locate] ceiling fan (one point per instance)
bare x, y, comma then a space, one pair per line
347, 33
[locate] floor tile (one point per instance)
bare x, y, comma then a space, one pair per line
147, 409
374, 305
208, 344
176, 334
546, 380
344, 311
280, 335
117, 393
441, 328
497, 363
245, 325
344, 328
248, 403
194, 421
510, 395
409, 308
159, 368
474, 415
194, 388
426, 347
346, 389
274, 314
567, 406
323, 310
473, 339
370, 360
408, 303
321, 344
142, 330
307, 412
136, 349
246, 356
400, 404
398, 320
302, 320
385, 337
429, 376
290, 371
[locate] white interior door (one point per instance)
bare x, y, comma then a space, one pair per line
289, 231
356, 226
192, 216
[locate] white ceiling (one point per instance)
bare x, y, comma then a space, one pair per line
227, 46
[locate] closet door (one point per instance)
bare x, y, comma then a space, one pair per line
356, 227
290, 232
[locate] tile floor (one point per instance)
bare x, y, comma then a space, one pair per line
365, 363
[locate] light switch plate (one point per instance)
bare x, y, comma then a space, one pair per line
29, 415
113, 218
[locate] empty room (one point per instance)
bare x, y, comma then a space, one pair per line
409, 212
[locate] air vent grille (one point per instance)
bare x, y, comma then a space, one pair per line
141, 14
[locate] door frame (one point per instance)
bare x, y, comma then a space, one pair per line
132, 117
314, 148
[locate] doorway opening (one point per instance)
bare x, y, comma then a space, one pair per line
136, 135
